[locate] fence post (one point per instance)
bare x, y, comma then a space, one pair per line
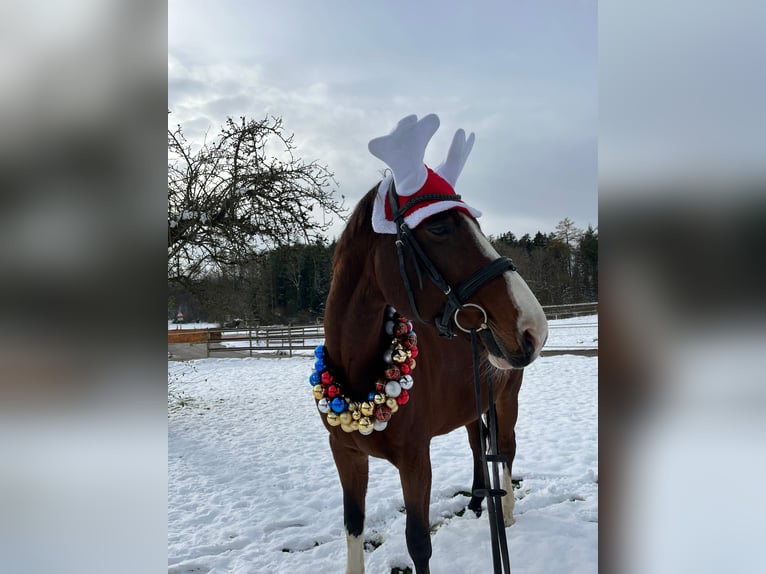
290, 340
250, 339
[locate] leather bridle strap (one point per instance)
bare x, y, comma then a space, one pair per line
467, 288
455, 297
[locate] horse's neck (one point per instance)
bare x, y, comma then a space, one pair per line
354, 330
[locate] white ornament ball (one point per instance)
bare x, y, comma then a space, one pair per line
323, 406
389, 328
388, 356
393, 389
406, 382
379, 425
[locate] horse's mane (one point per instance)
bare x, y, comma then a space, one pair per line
356, 240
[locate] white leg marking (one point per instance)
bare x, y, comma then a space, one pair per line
509, 500
354, 554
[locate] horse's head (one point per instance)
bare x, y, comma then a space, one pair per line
439, 239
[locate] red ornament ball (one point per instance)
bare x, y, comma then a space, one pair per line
414, 351
405, 368
327, 377
380, 387
333, 391
383, 413
392, 372
403, 397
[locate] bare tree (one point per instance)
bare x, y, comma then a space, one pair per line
243, 191
567, 232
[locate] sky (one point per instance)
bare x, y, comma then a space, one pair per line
522, 75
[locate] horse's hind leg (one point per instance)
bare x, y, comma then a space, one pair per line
507, 407
474, 440
353, 470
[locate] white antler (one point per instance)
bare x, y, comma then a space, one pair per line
456, 156
403, 151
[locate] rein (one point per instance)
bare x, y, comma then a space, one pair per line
456, 301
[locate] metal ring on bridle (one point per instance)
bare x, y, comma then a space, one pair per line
483, 322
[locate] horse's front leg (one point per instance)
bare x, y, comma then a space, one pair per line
353, 470
415, 475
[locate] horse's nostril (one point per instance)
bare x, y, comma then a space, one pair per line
529, 342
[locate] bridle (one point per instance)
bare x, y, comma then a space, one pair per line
457, 296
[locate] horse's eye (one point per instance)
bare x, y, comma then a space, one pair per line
440, 230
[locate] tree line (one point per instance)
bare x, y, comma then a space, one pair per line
289, 283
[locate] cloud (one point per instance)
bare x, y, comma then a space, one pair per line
337, 81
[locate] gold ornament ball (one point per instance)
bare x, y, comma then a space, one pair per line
345, 417
353, 406
412, 363
379, 399
354, 425
367, 409
346, 428
333, 419
318, 392
392, 404
365, 424
356, 415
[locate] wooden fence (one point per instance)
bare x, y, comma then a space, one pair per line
285, 340
279, 340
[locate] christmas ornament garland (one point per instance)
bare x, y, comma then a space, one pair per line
391, 390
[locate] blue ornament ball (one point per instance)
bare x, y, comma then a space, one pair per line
338, 405
319, 352
370, 396
319, 365
314, 378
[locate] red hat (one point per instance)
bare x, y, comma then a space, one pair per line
403, 151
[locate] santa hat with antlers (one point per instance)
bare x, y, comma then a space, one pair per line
403, 151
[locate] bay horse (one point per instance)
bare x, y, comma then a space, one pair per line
370, 314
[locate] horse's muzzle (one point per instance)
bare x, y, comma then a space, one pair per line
501, 358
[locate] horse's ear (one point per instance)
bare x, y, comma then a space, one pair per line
404, 149
458, 152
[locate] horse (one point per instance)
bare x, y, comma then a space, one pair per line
398, 380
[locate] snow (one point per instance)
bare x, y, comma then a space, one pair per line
199, 325
253, 488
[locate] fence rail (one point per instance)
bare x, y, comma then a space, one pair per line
279, 340
571, 310
287, 339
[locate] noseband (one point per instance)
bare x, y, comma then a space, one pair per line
457, 296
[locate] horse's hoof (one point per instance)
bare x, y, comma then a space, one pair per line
475, 505
509, 521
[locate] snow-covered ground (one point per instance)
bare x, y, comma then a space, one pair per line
178, 326
252, 485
